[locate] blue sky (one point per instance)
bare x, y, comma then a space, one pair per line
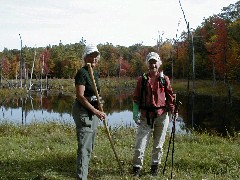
125, 22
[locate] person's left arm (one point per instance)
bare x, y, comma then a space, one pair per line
170, 96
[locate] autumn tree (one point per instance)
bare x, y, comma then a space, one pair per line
234, 50
216, 42
231, 12
109, 63
181, 58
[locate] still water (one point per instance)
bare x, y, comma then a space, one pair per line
203, 113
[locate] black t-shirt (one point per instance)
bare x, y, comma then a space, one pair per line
83, 78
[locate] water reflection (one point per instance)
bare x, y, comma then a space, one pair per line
36, 108
209, 113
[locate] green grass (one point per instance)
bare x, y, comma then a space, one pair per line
202, 87
12, 93
205, 87
48, 151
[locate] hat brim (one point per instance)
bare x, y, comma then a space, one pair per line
93, 52
154, 58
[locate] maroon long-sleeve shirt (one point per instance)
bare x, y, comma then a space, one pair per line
155, 96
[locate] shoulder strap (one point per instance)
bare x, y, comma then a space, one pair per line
143, 88
162, 80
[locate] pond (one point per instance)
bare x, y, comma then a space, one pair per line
202, 113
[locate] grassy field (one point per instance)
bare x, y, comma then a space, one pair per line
202, 87
48, 151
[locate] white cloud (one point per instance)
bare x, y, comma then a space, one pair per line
123, 22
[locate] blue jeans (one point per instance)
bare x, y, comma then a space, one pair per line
86, 129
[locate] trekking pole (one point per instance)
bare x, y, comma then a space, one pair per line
169, 144
101, 109
173, 129
174, 118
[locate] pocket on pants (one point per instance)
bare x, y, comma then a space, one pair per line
85, 121
81, 117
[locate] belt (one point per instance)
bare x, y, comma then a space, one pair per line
151, 109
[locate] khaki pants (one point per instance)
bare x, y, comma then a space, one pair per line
86, 129
143, 135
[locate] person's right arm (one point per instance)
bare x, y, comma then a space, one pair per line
136, 94
84, 102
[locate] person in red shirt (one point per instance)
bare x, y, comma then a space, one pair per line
153, 101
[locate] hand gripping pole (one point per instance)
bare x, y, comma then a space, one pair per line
101, 109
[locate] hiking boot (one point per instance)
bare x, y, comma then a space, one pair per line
136, 171
154, 170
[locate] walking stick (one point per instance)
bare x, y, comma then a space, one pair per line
172, 139
101, 109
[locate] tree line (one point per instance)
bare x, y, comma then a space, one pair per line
211, 51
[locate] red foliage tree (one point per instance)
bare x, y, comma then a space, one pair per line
216, 43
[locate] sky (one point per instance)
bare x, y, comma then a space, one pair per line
39, 23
